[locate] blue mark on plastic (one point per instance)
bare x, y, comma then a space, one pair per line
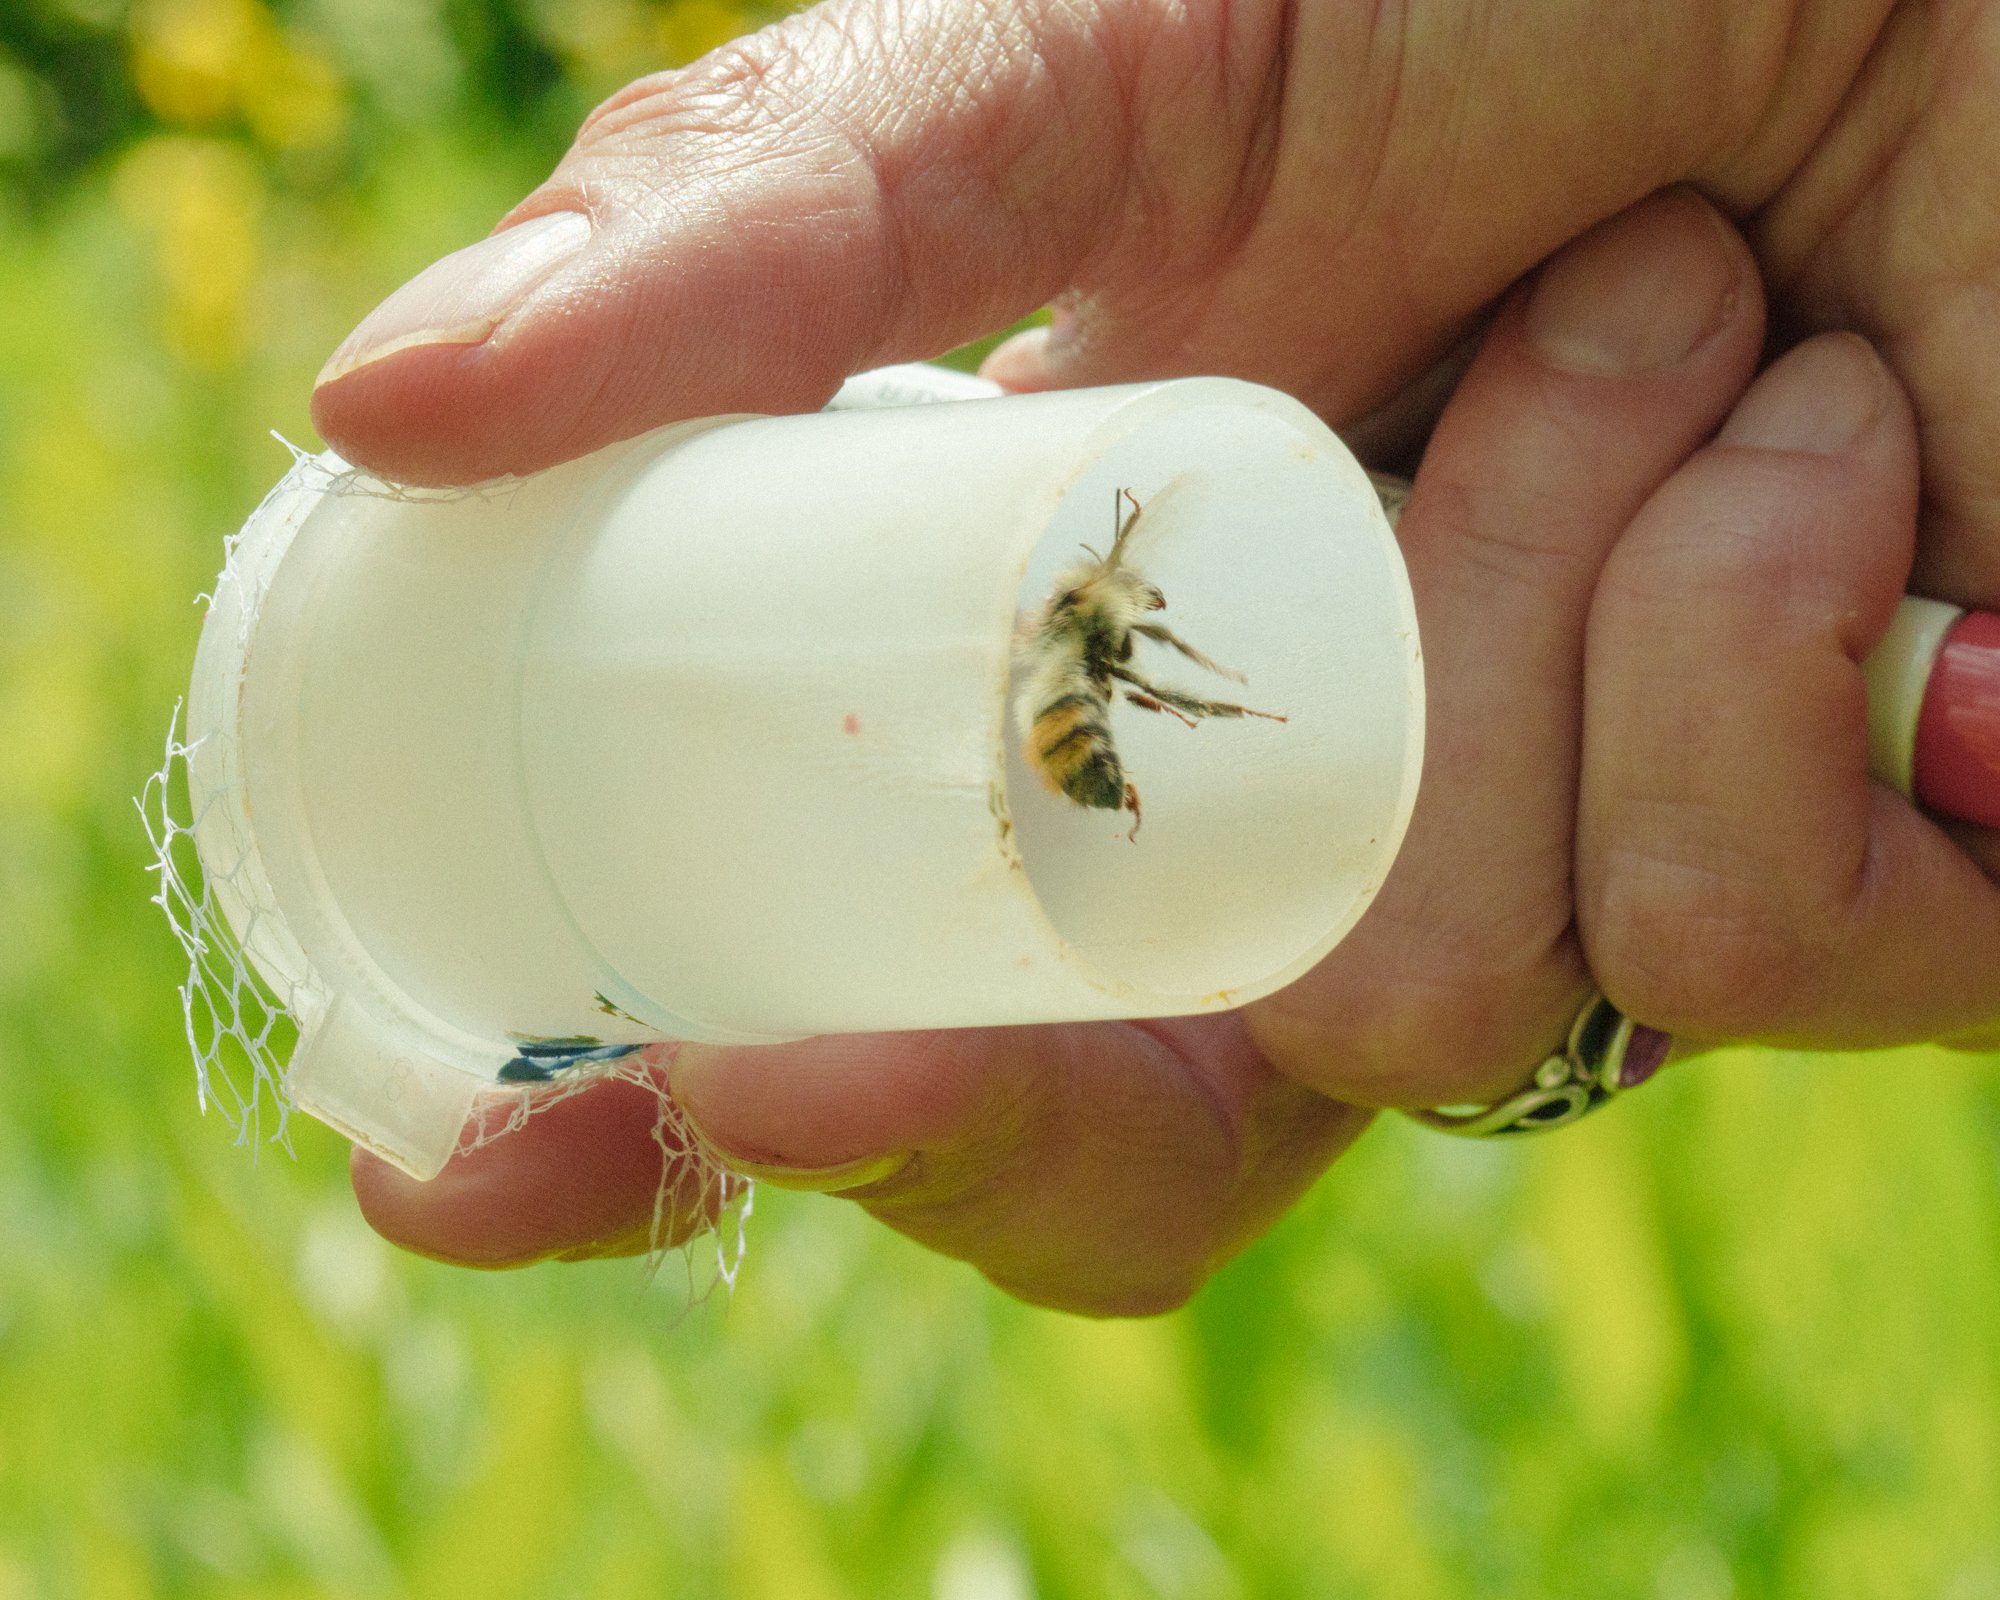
539, 1060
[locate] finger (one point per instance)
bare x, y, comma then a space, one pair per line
1895, 248
1103, 1168
857, 184
865, 182
1421, 159
1740, 876
1588, 392
1099, 1168
597, 1174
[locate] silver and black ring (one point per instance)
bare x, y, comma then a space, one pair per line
1605, 1054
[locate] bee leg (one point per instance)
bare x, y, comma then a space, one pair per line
1187, 704
1146, 702
1132, 805
1173, 641
1124, 522
1222, 708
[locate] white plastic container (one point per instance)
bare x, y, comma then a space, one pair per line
708, 736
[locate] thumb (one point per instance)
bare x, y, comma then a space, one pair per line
854, 185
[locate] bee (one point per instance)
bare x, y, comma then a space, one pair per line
1074, 655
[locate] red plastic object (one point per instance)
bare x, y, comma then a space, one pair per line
1957, 767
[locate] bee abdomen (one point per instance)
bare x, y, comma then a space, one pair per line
1069, 744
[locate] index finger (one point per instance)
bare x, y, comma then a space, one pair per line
1106, 1168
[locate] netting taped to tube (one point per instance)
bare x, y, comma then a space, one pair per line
250, 989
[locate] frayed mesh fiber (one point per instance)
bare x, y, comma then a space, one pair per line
243, 1015
240, 1026
697, 1197
240, 1029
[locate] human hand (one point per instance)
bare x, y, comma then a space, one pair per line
1321, 197
1643, 684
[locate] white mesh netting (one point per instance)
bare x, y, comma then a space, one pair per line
250, 989
239, 1030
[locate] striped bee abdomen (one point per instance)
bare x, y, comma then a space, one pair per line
1069, 744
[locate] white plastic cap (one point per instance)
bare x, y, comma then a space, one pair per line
708, 736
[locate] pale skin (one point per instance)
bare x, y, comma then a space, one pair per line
1643, 588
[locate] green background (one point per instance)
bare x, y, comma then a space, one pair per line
1737, 1338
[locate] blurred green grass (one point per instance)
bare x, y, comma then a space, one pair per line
1736, 1339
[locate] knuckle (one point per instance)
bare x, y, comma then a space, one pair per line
1464, 1031
1445, 1057
1694, 946
754, 83
1731, 529
1514, 534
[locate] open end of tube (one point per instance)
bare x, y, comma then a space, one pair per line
1258, 841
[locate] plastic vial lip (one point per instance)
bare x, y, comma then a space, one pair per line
1958, 730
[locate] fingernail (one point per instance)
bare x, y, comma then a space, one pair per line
822, 1180
1818, 399
464, 297
1638, 293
